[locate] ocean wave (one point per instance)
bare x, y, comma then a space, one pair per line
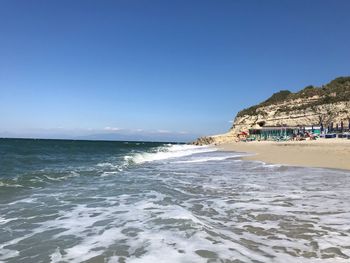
211, 158
166, 152
9, 184
112, 165
170, 212
36, 179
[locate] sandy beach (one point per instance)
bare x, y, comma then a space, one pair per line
326, 153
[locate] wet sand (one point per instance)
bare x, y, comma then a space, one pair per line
326, 153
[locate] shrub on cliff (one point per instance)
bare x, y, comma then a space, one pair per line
336, 91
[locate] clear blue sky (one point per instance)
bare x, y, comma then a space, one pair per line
74, 68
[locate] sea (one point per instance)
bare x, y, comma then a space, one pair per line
122, 201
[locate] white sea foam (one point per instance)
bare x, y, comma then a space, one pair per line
56, 256
168, 152
170, 212
210, 158
10, 185
25, 200
3, 221
119, 167
105, 164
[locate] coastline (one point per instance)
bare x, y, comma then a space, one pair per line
322, 153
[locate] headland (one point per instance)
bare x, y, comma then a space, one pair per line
307, 128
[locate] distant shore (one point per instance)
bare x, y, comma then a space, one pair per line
325, 153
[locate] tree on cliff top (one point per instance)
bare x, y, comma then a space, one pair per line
335, 91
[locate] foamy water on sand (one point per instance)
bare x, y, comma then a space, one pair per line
174, 203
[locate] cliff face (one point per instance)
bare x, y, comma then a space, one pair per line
310, 106
313, 115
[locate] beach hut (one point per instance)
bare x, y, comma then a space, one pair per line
278, 133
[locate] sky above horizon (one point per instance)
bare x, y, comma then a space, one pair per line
159, 69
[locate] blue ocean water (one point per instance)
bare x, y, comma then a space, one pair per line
93, 201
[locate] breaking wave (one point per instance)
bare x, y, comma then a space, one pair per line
166, 152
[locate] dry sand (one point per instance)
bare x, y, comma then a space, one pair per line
326, 153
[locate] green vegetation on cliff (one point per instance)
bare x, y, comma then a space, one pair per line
336, 91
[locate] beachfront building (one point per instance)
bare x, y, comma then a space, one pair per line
274, 133
278, 133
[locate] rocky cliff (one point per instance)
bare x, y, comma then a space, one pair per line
327, 105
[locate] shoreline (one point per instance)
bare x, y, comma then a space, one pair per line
321, 153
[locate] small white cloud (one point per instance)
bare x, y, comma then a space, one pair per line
111, 128
183, 132
230, 121
163, 131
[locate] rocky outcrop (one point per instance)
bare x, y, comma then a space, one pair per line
204, 140
327, 105
216, 139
